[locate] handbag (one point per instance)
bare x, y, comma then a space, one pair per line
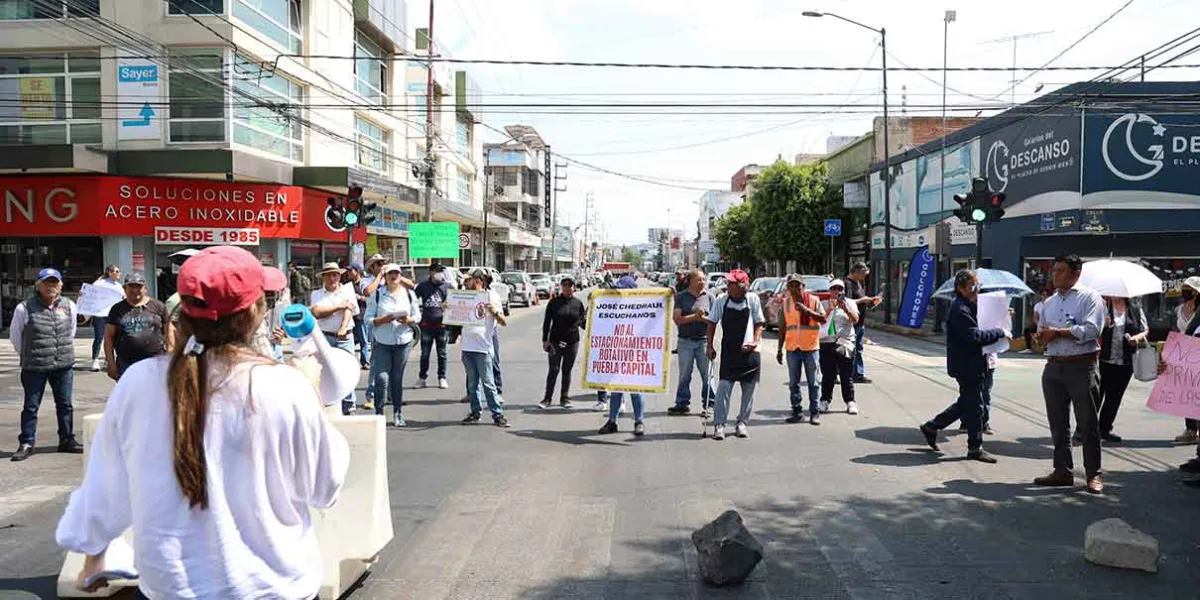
1145, 362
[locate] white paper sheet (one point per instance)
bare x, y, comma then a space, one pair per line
992, 313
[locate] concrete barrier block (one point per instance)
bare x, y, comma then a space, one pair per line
1114, 543
350, 535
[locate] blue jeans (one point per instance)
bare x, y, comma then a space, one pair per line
969, 408
428, 338
691, 353
348, 346
497, 376
618, 398
389, 382
724, 395
478, 367
859, 370
62, 384
797, 360
98, 325
363, 337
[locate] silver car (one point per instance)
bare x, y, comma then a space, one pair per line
546, 288
522, 289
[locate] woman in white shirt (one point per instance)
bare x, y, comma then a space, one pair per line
214, 456
112, 281
837, 347
392, 311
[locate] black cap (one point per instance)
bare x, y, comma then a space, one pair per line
567, 278
435, 266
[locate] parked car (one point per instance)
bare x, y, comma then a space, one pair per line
813, 284
765, 287
522, 287
716, 282
544, 285
502, 289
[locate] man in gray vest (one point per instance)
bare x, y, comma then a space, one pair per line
43, 334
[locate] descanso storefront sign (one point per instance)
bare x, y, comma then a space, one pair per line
104, 205
1141, 151
1032, 156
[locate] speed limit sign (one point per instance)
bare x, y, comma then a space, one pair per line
464, 241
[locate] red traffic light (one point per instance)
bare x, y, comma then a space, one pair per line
354, 192
353, 204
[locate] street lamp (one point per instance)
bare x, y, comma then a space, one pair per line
887, 172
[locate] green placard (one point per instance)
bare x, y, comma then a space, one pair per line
433, 240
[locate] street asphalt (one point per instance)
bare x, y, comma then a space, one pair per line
857, 507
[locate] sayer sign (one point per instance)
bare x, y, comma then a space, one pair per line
173, 211
628, 340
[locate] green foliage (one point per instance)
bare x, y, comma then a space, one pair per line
632, 257
788, 208
732, 234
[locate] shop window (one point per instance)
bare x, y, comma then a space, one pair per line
371, 142
370, 69
462, 137
279, 20
196, 88
47, 9
195, 7
463, 189
80, 259
277, 129
507, 177
50, 98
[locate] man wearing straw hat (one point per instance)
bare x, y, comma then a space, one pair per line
334, 307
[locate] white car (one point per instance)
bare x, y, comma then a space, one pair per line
716, 281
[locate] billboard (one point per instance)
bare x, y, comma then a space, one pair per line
1036, 155
962, 163
1143, 152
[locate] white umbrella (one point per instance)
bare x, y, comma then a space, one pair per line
1120, 278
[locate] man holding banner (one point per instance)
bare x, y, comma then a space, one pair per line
740, 316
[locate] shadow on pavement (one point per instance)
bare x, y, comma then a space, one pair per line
36, 451
36, 587
960, 540
915, 457
902, 436
574, 438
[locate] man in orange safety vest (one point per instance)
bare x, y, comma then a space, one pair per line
799, 334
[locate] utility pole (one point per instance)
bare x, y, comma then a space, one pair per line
1014, 39
429, 160
950, 17
558, 176
887, 191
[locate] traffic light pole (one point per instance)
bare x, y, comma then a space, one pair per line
978, 245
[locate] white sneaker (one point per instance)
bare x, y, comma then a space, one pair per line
823, 406
445, 385
421, 384
852, 408
740, 430
600, 406
96, 365
719, 433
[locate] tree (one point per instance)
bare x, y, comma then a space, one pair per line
632, 257
790, 205
732, 233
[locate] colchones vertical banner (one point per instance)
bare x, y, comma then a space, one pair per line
627, 347
917, 289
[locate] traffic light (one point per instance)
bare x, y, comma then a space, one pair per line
353, 205
995, 207
963, 212
980, 205
335, 214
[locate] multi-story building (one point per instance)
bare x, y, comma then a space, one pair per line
740, 182
136, 128
713, 205
515, 172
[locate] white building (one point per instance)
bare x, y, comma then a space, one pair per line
713, 205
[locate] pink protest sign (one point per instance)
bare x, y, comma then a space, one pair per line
1177, 390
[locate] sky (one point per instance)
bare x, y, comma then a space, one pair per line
693, 150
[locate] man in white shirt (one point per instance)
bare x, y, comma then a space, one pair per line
334, 307
477, 352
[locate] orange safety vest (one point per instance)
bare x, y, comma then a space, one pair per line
801, 332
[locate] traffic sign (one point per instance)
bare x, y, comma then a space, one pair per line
833, 227
464, 241
1047, 223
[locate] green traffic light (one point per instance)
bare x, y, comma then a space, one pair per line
351, 219
978, 215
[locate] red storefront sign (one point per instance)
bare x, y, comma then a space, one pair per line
173, 211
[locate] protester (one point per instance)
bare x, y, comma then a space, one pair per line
112, 281
477, 348
268, 338
1187, 320
565, 316
616, 403
334, 306
42, 332
856, 291
740, 316
1070, 327
968, 365
837, 348
433, 293
691, 307
1125, 327
215, 456
497, 371
393, 310
299, 284
138, 328
354, 278
1035, 315
370, 281
799, 332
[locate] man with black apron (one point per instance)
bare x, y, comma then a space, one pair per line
740, 316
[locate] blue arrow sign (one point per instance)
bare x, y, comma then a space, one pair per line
1047, 222
833, 227
145, 115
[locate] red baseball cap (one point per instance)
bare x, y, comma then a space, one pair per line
738, 276
225, 280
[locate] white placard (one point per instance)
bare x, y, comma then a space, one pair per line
992, 313
466, 307
627, 346
139, 97
97, 300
